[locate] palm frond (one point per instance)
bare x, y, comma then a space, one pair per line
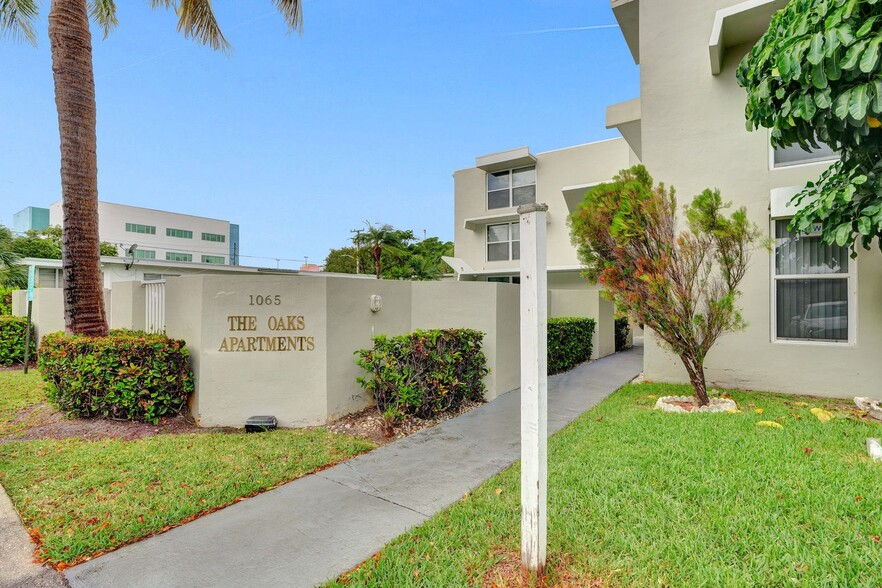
103, 12
17, 20
196, 19
292, 10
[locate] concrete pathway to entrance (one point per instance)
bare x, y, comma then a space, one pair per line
313, 529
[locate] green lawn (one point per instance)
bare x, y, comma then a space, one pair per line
18, 390
82, 498
642, 498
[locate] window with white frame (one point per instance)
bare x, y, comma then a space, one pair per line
812, 287
796, 155
512, 187
504, 241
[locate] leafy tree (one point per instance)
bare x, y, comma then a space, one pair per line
681, 285
409, 260
343, 260
379, 239
815, 75
71, 47
12, 275
47, 244
423, 268
108, 249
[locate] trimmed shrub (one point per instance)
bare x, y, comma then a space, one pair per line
623, 329
136, 377
569, 342
5, 301
424, 373
13, 332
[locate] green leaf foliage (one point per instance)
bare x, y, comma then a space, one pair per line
126, 375
6, 301
681, 284
424, 373
13, 333
569, 342
623, 331
816, 75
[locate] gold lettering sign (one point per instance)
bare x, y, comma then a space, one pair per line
275, 323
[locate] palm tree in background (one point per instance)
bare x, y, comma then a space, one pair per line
71, 45
12, 274
381, 238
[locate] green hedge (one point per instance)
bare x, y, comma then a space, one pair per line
5, 301
13, 331
131, 376
623, 329
424, 373
569, 342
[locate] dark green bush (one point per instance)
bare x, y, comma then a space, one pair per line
136, 377
5, 301
623, 329
424, 373
13, 331
569, 342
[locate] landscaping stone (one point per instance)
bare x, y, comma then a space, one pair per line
673, 404
871, 405
874, 448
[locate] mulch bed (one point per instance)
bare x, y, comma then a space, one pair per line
508, 573
369, 424
42, 421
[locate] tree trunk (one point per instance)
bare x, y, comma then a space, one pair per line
71, 45
695, 369
377, 253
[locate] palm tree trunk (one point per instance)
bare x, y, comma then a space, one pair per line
71, 45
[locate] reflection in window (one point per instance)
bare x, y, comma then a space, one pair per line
811, 287
511, 187
504, 242
795, 155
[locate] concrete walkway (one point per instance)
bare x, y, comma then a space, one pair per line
17, 567
312, 529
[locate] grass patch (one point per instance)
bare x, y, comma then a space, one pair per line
81, 498
17, 391
642, 498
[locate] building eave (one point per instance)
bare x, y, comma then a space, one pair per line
735, 25
627, 13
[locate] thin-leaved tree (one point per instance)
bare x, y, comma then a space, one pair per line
682, 285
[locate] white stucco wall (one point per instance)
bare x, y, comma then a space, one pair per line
694, 137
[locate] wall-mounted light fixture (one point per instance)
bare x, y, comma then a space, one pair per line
376, 303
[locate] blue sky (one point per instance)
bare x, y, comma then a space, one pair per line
301, 138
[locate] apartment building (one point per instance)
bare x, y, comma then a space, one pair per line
813, 313
815, 323
157, 234
487, 236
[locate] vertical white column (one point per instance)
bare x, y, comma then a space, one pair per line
534, 386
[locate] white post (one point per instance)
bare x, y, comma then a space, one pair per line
534, 387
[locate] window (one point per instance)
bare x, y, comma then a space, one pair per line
154, 277
214, 237
144, 254
172, 256
512, 187
796, 155
505, 279
212, 259
812, 286
181, 233
136, 228
504, 242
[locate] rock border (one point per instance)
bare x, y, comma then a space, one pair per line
716, 405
